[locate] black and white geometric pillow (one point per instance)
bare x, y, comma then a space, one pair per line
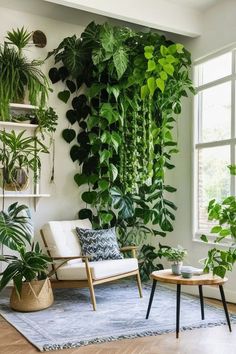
100, 244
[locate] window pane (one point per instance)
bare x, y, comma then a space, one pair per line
213, 180
213, 69
215, 113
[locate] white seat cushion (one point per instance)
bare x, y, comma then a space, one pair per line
99, 269
61, 237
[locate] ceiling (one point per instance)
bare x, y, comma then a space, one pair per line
182, 17
200, 5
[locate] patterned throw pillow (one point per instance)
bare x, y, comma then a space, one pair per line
100, 244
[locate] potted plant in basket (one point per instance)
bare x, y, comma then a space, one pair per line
28, 268
175, 255
18, 155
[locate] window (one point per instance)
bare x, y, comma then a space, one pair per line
214, 134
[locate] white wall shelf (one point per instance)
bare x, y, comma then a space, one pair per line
22, 106
18, 125
22, 195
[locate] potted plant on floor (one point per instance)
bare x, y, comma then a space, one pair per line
28, 268
175, 255
19, 75
18, 155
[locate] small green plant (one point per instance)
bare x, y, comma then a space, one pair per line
19, 37
18, 152
46, 119
18, 74
224, 214
172, 254
26, 266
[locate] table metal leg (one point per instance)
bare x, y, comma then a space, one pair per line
201, 301
178, 309
225, 306
154, 283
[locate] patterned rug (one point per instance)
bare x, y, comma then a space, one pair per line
120, 314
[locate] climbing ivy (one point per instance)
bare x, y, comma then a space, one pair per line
125, 90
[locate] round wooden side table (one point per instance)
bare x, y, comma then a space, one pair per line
166, 276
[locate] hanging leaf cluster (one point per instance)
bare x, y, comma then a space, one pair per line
125, 90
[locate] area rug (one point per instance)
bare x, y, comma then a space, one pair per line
120, 314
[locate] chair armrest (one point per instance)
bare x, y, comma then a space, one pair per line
128, 248
131, 248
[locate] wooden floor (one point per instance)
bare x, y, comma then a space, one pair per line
217, 340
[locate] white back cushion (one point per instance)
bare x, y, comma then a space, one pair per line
61, 237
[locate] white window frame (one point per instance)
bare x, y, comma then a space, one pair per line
197, 145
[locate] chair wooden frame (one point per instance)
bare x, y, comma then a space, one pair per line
89, 282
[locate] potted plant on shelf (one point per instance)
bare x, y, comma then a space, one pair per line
28, 269
219, 261
19, 75
175, 255
18, 155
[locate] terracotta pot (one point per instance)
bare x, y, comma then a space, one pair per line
35, 295
21, 180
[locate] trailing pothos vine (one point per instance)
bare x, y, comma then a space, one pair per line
125, 90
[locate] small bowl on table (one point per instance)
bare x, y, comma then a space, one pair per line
186, 272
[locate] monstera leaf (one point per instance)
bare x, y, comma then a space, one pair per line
123, 202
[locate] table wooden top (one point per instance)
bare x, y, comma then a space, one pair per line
166, 276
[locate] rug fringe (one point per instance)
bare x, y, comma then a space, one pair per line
51, 347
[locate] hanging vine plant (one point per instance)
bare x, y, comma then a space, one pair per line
120, 128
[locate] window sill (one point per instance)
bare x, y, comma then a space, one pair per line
211, 240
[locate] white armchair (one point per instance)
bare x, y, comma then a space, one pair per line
73, 270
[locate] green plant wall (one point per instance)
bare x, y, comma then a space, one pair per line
124, 89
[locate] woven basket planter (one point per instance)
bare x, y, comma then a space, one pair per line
35, 295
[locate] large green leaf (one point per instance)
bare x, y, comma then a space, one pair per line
15, 226
160, 84
116, 140
104, 156
113, 172
109, 112
123, 202
81, 179
151, 85
144, 91
85, 214
106, 217
68, 135
95, 89
89, 197
71, 86
103, 184
64, 96
107, 37
120, 59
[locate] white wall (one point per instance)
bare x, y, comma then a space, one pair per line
219, 30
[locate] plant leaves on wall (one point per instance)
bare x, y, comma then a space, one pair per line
132, 86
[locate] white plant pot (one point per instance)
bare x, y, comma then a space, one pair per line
176, 268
